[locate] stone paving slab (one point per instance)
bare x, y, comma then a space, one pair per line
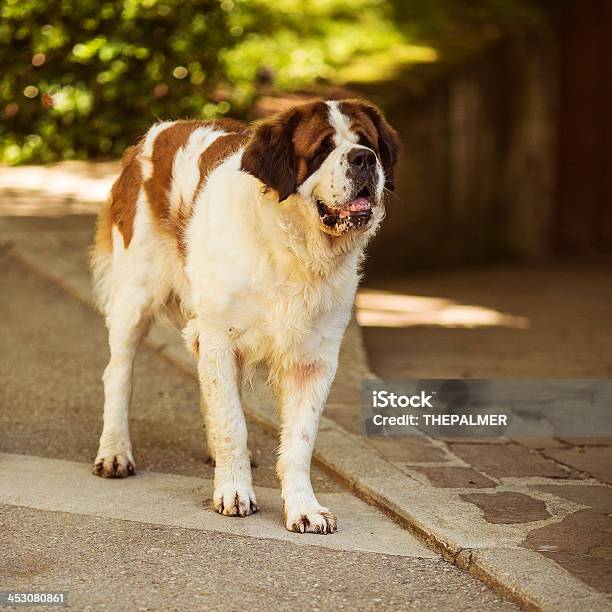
455, 477
580, 543
184, 501
596, 460
508, 460
508, 507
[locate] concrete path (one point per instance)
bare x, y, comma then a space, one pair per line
152, 541
183, 501
119, 565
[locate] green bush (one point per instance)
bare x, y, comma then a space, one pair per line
81, 78
84, 78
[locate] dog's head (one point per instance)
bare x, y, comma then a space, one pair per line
336, 156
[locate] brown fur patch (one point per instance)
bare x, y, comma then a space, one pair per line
360, 122
278, 150
367, 121
303, 373
219, 150
313, 127
121, 207
229, 125
195, 346
310, 133
166, 144
104, 230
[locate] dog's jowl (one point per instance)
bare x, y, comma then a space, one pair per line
252, 236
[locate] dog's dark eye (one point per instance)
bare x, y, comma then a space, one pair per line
321, 152
364, 141
324, 148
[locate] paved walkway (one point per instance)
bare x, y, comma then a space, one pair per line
153, 542
116, 565
542, 321
530, 518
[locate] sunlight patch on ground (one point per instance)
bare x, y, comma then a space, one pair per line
388, 309
57, 189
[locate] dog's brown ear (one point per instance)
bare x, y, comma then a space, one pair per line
270, 155
388, 144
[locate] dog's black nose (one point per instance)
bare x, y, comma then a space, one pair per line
361, 159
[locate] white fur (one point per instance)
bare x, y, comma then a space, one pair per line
341, 125
260, 280
186, 169
147, 147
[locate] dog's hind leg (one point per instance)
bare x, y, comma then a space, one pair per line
191, 336
127, 321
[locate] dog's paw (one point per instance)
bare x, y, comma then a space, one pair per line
232, 500
114, 465
311, 520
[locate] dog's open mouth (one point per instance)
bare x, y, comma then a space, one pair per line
356, 213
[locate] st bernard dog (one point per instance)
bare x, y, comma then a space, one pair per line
255, 235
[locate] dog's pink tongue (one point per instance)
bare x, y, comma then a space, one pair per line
359, 204
355, 205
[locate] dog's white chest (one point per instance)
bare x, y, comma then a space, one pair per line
279, 321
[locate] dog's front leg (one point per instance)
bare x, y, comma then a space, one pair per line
233, 490
303, 390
